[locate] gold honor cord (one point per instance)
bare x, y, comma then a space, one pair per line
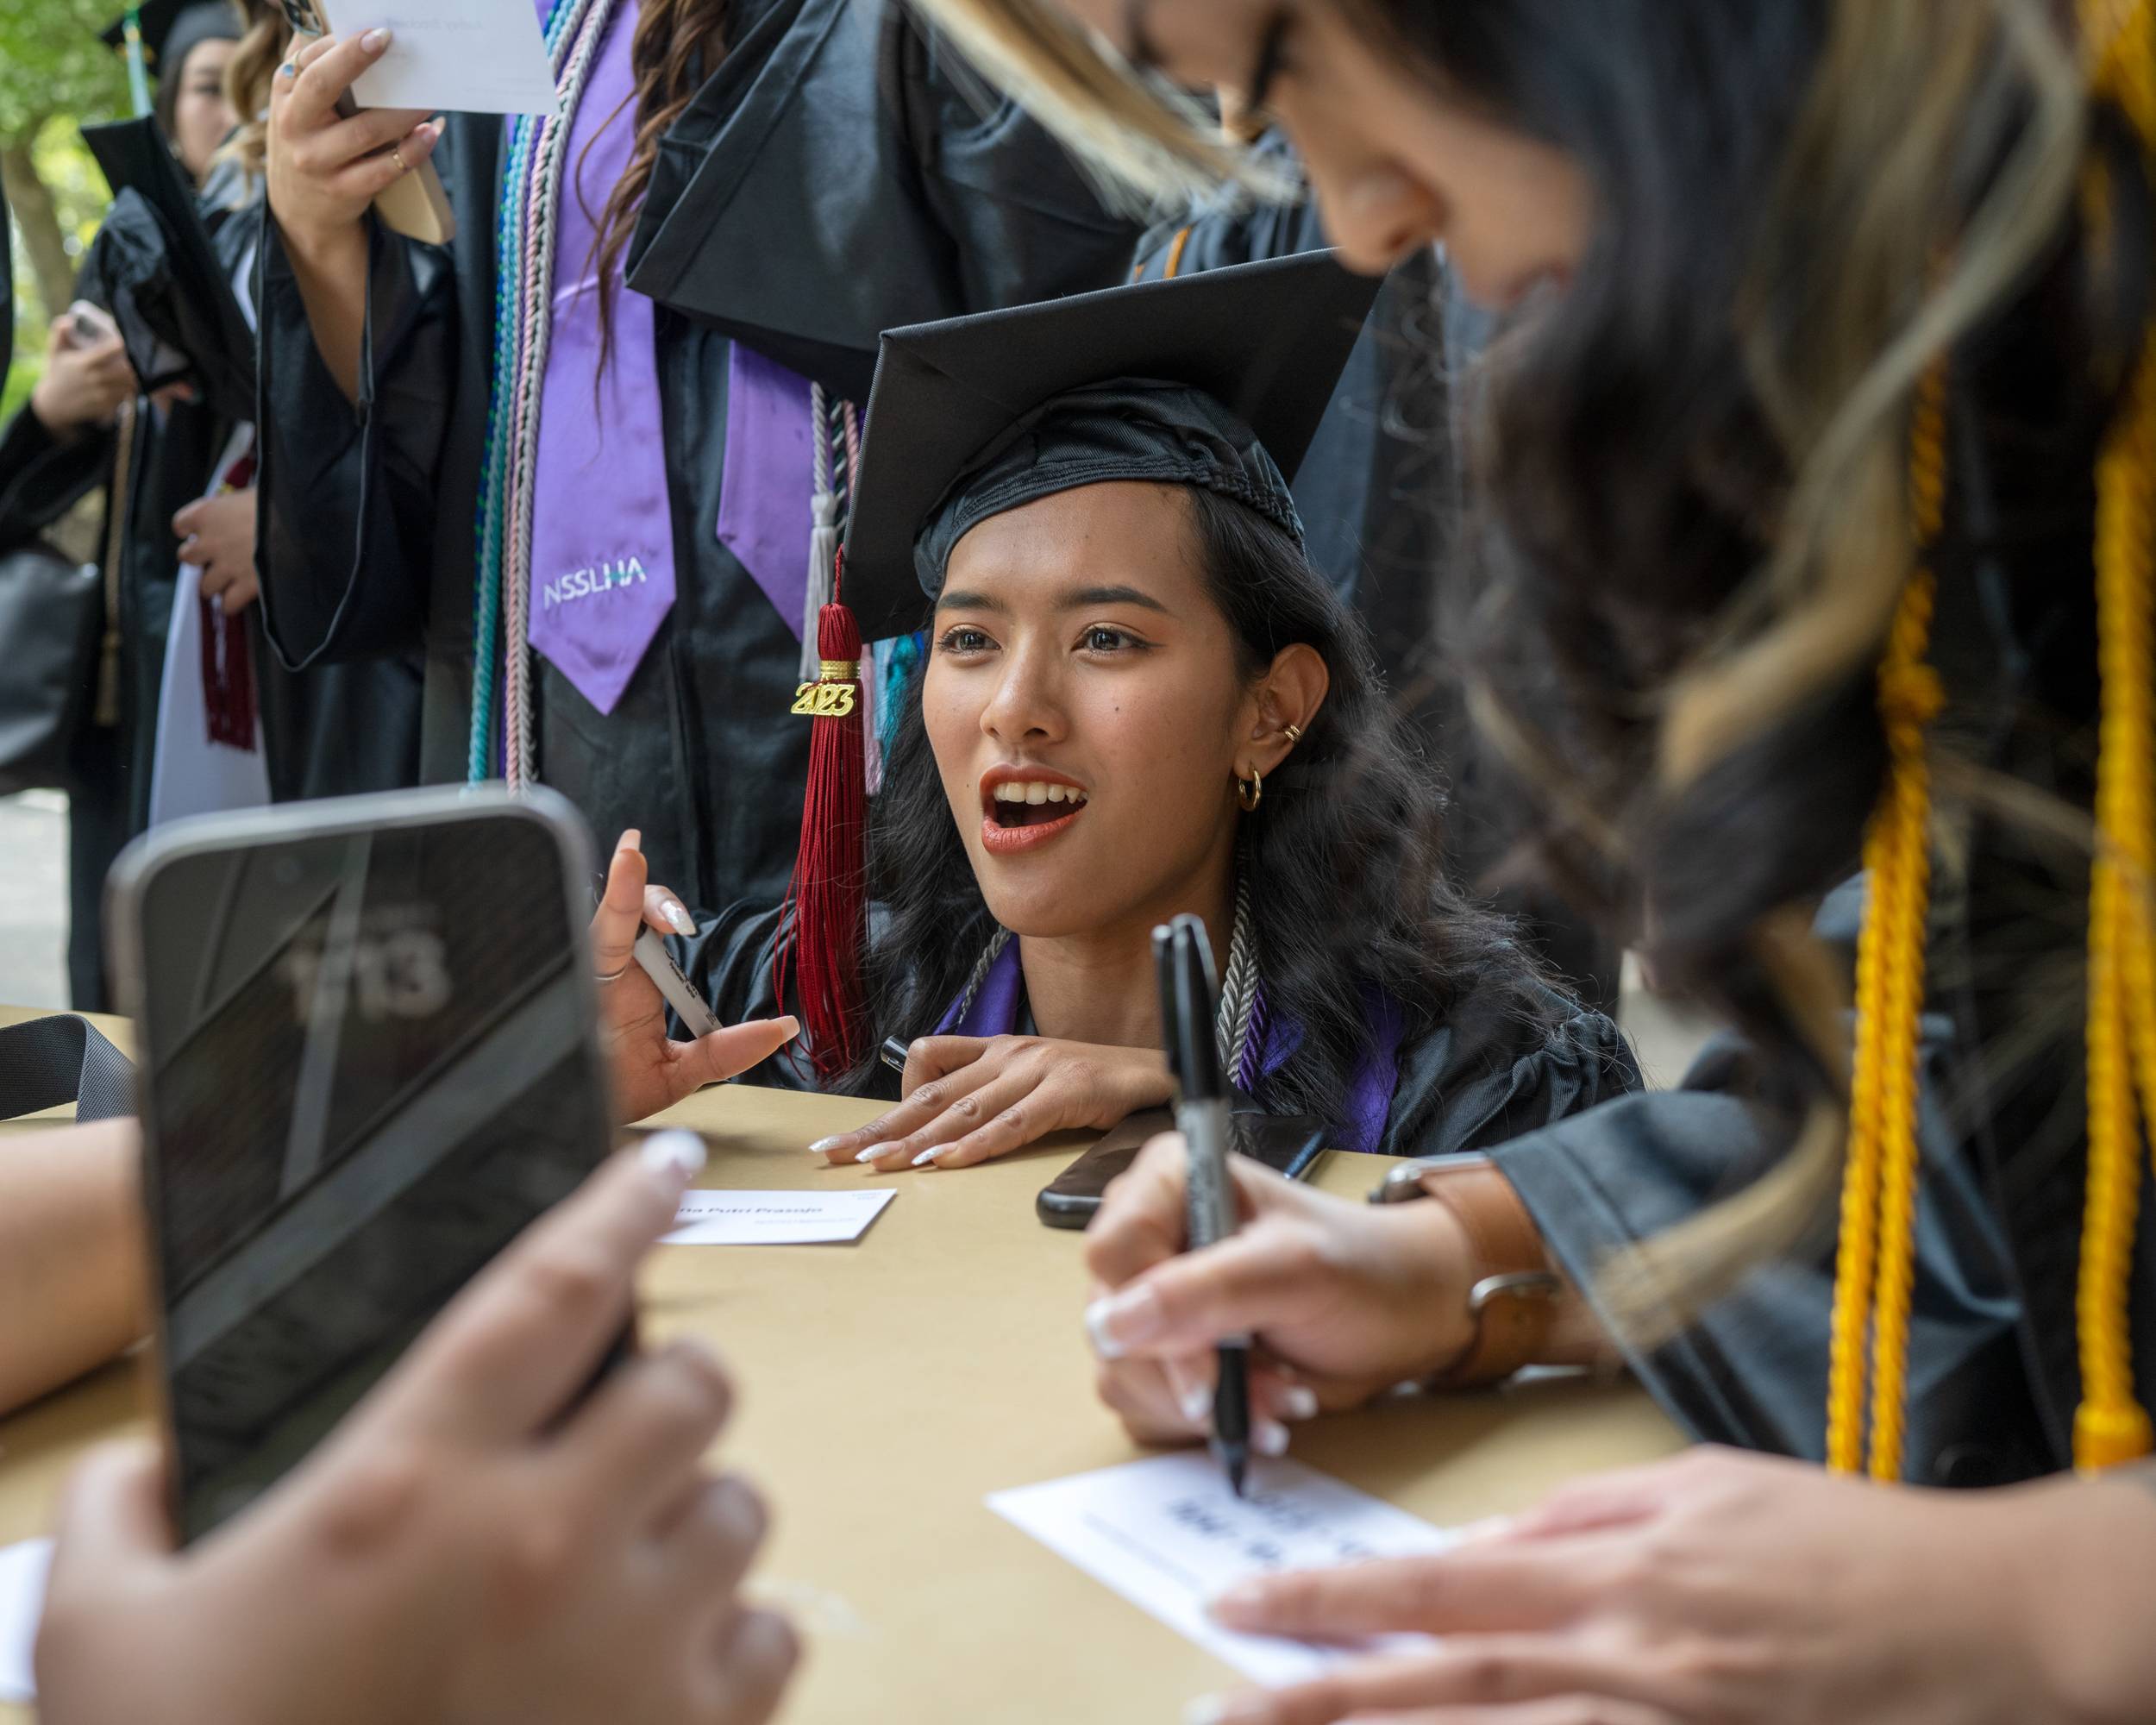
1875, 1258
1873, 1267
2110, 1425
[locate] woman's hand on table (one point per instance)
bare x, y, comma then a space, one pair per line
972, 1098
1725, 1589
1344, 1299
651, 1071
461, 1549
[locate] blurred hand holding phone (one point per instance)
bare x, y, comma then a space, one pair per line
369, 1053
89, 326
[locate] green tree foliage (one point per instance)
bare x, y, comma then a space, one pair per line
52, 63
54, 74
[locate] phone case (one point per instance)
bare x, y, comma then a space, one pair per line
127, 893
418, 206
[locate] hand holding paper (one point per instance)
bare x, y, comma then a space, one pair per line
450, 56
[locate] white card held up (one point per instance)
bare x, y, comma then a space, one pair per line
1168, 1535
775, 1218
23, 1568
450, 56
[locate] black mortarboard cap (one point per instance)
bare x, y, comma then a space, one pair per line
1217, 379
152, 266
176, 24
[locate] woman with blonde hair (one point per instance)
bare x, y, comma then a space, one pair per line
1813, 580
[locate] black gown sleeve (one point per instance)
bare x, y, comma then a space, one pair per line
42, 477
731, 958
1488, 1074
1753, 1372
345, 493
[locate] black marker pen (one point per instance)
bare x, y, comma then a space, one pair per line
1190, 1002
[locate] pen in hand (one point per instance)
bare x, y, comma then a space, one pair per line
1189, 992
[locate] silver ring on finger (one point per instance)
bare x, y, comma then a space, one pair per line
608, 981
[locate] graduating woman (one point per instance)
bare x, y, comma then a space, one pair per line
1140, 700
595, 512
1818, 462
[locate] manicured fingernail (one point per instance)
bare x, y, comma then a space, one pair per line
677, 1155
1222, 1710
928, 1156
824, 1146
737, 1509
633, 839
1299, 1401
374, 41
1197, 1404
1238, 1602
763, 1644
674, 914
872, 1152
1122, 1320
1269, 1437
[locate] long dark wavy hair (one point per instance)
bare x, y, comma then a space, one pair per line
1348, 894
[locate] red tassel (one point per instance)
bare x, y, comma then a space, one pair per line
228, 677
826, 919
227, 667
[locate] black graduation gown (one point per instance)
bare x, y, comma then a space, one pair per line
170, 453
1482, 1076
367, 517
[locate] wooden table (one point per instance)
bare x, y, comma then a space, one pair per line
887, 1387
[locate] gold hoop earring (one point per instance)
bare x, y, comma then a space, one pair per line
1251, 792
1292, 733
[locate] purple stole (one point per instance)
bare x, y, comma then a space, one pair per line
603, 576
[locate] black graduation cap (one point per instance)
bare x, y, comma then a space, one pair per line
1217, 379
154, 268
206, 21
832, 180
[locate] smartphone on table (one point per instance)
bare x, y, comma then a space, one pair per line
1290, 1144
367, 1039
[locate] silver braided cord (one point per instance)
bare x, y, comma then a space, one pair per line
1238, 986
983, 965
